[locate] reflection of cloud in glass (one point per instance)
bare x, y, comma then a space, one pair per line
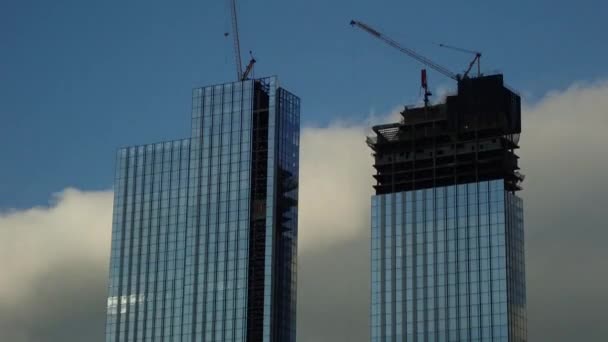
124, 301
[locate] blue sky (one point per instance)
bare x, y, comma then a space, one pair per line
80, 78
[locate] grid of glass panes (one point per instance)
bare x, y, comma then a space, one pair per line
287, 213
271, 83
516, 269
438, 264
145, 300
180, 231
218, 229
181, 224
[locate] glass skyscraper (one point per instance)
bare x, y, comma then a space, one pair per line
204, 237
447, 243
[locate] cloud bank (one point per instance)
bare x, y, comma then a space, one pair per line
55, 269
55, 257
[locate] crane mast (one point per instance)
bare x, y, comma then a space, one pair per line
240, 75
405, 50
237, 43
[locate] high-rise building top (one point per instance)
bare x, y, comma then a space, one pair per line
204, 238
470, 137
447, 225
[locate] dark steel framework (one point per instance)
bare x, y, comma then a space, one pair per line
284, 218
257, 240
471, 137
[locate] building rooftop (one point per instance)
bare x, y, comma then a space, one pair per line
469, 137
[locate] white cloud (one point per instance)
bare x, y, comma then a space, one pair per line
336, 181
335, 184
564, 155
565, 133
75, 228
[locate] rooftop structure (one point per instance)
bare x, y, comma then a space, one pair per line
470, 137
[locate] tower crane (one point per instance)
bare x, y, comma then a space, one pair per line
476, 59
240, 75
415, 55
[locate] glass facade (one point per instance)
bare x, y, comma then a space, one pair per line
448, 264
204, 237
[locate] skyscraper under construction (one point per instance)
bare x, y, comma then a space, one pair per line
447, 224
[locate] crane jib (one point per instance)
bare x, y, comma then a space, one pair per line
415, 55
